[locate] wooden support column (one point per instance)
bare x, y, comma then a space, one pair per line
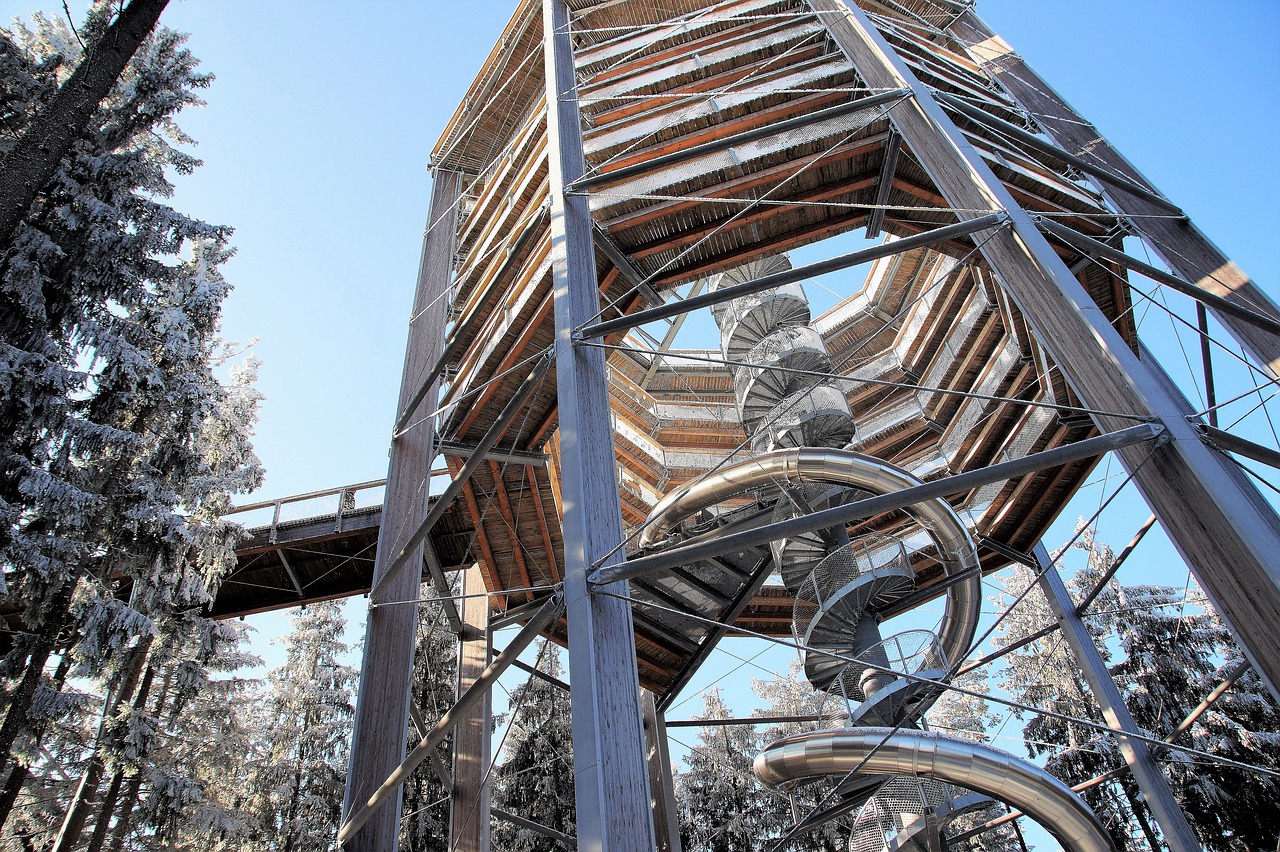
1155, 787
1181, 245
666, 823
382, 707
610, 774
469, 805
1216, 518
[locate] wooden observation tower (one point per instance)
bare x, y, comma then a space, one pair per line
615, 168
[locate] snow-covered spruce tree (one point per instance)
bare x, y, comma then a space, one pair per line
967, 715
308, 717
106, 374
722, 806
535, 778
793, 695
1044, 674
1176, 650
425, 825
32, 161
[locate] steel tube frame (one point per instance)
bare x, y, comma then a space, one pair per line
799, 273
1155, 787
1033, 141
837, 515
1216, 518
611, 779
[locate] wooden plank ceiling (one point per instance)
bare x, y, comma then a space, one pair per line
656, 79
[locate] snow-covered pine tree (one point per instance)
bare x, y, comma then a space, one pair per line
793, 695
1044, 674
309, 711
1176, 651
194, 747
535, 778
425, 803
34, 158
967, 715
105, 372
722, 806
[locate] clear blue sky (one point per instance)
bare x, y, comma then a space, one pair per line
318, 128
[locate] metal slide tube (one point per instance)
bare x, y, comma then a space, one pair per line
976, 766
844, 467
935, 488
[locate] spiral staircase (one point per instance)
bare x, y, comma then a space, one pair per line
906, 783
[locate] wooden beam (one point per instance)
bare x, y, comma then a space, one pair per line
610, 774
469, 799
1182, 246
382, 707
1216, 518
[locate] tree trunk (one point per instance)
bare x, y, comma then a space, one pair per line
130, 796
87, 789
32, 162
18, 773
17, 718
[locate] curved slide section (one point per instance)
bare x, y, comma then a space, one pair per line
928, 754
849, 468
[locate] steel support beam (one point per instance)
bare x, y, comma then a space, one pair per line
1155, 787
847, 514
1181, 245
610, 775
888, 168
799, 273
560, 837
382, 706
1218, 521
1220, 305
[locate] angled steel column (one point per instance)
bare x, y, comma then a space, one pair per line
1223, 528
382, 708
1155, 787
610, 775
1181, 245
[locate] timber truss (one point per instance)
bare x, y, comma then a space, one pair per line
616, 167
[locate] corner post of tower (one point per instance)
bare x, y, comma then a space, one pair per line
610, 771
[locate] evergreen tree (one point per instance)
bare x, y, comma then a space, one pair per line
107, 356
967, 715
793, 695
535, 778
722, 806
309, 712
